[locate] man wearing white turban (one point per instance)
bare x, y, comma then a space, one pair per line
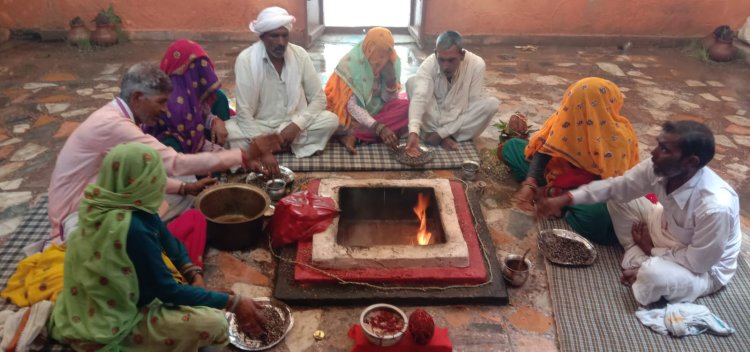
279, 91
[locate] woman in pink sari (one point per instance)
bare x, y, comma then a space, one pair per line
363, 92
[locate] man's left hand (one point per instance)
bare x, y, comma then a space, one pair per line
290, 133
642, 237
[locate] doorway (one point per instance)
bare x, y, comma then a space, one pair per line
354, 16
367, 13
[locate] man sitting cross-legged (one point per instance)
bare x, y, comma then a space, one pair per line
446, 97
686, 245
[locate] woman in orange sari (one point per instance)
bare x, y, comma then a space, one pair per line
585, 140
363, 92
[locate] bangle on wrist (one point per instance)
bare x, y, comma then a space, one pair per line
378, 127
391, 90
182, 191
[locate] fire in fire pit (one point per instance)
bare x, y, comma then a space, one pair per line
379, 223
423, 236
383, 216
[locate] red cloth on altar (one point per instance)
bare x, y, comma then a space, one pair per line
440, 342
190, 229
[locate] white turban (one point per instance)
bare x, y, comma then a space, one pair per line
271, 18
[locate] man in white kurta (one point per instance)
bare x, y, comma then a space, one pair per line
685, 245
446, 98
279, 91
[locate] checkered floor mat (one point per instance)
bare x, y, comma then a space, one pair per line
375, 157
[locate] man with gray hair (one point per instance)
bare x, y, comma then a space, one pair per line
143, 96
279, 91
446, 98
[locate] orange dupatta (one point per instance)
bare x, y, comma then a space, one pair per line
588, 132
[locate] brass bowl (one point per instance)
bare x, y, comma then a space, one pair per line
234, 214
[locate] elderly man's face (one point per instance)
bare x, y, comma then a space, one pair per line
276, 42
147, 108
449, 60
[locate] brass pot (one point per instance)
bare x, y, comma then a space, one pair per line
234, 215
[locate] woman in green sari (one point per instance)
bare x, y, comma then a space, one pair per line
118, 293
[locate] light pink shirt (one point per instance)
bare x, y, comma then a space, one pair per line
79, 160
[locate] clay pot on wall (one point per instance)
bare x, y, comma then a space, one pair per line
722, 51
78, 33
104, 35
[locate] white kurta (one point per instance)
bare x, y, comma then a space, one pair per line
263, 103
696, 239
458, 108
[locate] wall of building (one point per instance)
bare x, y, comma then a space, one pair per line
165, 19
149, 19
676, 18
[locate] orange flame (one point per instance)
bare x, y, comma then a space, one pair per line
423, 236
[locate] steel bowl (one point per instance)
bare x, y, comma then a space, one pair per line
399, 154
469, 170
276, 189
259, 179
374, 335
512, 273
586, 257
239, 340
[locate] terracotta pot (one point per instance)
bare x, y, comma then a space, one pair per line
78, 33
722, 51
104, 35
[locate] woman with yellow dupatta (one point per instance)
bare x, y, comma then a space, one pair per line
118, 293
363, 92
586, 139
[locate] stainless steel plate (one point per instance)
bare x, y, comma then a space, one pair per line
400, 155
566, 247
238, 339
260, 180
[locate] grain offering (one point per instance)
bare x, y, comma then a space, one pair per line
425, 157
566, 247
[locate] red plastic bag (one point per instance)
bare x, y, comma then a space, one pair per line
300, 215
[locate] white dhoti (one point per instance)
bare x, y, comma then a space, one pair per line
461, 125
310, 140
657, 277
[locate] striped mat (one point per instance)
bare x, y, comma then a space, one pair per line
375, 157
594, 312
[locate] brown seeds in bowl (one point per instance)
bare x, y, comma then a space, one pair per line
565, 250
400, 155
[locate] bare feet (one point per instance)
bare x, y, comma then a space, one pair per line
628, 276
449, 144
433, 138
350, 143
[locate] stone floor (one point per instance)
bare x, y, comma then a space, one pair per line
47, 89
